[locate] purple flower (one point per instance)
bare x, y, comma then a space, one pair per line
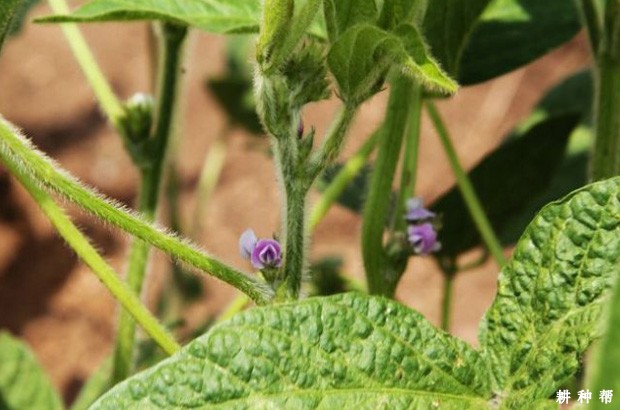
266, 254
423, 238
262, 253
416, 211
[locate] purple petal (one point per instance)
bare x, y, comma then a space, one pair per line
247, 243
423, 239
267, 254
416, 211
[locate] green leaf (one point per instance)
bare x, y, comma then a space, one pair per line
551, 294
215, 16
511, 33
447, 27
344, 351
23, 384
8, 11
503, 190
362, 56
340, 15
607, 370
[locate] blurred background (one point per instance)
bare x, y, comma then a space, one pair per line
51, 300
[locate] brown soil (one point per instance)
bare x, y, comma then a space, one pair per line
58, 306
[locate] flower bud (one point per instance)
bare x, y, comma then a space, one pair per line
137, 117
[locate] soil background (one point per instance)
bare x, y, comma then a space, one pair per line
59, 307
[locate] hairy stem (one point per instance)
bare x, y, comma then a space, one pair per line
105, 96
467, 190
606, 156
340, 182
295, 242
376, 261
172, 39
333, 143
80, 244
50, 175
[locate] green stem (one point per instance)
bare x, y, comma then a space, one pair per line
169, 81
106, 97
348, 172
467, 190
295, 237
51, 176
376, 261
591, 15
80, 244
606, 156
333, 143
446, 304
410, 160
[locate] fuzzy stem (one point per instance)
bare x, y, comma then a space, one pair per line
340, 182
295, 242
376, 261
606, 156
106, 97
50, 175
333, 143
467, 190
80, 244
172, 39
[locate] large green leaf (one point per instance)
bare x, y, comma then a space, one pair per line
550, 296
512, 33
216, 16
346, 351
8, 10
362, 56
23, 385
447, 27
607, 371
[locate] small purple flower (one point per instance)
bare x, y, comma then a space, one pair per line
262, 253
266, 254
423, 238
416, 211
